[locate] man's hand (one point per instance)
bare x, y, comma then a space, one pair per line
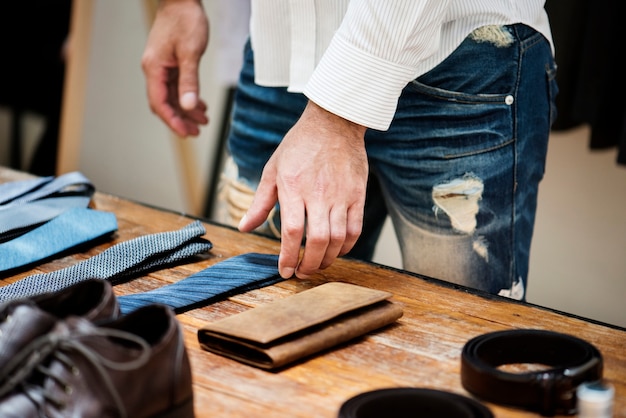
318, 173
177, 40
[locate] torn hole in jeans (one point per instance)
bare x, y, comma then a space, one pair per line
459, 200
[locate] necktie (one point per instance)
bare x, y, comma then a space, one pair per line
232, 276
24, 191
68, 230
119, 262
17, 220
15, 189
26, 204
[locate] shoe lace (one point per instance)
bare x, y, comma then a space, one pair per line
29, 369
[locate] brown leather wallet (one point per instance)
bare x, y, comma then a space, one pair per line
286, 330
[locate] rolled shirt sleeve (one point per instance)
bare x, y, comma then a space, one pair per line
380, 46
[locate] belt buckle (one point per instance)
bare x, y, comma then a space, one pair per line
558, 387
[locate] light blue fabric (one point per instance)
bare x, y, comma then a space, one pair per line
21, 217
232, 276
14, 189
24, 191
68, 230
26, 204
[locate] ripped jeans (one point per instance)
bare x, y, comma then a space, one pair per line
458, 170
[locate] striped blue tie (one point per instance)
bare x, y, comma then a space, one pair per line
234, 275
118, 263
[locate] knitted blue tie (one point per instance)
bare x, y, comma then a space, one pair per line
119, 262
232, 276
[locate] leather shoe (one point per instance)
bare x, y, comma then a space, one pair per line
135, 366
23, 320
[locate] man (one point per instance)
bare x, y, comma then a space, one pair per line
445, 106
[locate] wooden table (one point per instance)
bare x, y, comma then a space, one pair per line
421, 350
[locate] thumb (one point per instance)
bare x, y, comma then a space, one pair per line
188, 85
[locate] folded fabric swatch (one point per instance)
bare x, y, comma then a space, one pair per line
234, 275
70, 229
122, 261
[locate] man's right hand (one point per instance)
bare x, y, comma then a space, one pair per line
318, 174
177, 40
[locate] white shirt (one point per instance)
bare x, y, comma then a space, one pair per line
354, 57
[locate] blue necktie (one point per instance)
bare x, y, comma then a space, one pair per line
14, 189
120, 262
70, 229
24, 191
17, 220
26, 204
232, 276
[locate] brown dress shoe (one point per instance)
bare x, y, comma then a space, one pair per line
23, 320
135, 366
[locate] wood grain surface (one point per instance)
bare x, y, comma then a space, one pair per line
422, 349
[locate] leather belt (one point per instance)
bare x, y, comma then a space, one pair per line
412, 402
550, 391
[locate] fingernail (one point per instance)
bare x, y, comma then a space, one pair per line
287, 272
242, 221
188, 100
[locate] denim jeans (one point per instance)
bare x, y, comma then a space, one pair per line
457, 171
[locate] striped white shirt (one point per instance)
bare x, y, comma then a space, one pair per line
354, 57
